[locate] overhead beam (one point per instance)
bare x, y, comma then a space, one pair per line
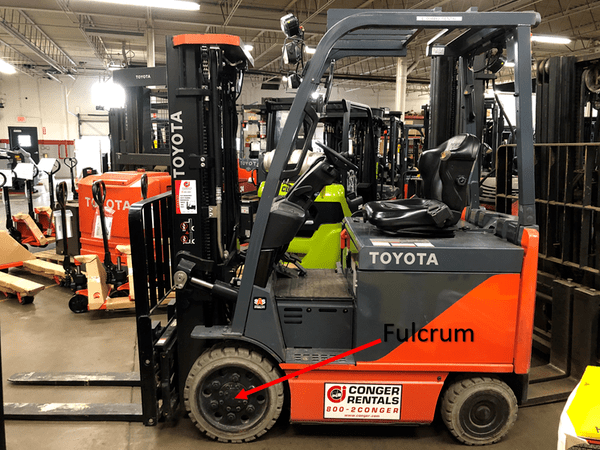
20, 26
569, 12
17, 59
318, 11
94, 41
372, 78
232, 12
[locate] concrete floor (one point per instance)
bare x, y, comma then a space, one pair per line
46, 336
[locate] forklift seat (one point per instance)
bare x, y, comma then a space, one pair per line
445, 171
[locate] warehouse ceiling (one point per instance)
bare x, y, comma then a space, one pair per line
67, 38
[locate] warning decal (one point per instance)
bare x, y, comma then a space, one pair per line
186, 201
362, 401
108, 220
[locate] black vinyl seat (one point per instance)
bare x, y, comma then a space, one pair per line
445, 171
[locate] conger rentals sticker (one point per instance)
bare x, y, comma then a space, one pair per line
362, 401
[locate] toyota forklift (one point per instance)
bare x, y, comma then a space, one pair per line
431, 308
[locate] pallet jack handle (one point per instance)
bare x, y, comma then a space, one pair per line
61, 198
144, 186
55, 169
10, 226
29, 185
71, 162
99, 195
3, 181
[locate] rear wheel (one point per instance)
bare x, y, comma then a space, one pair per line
26, 299
479, 410
78, 304
216, 378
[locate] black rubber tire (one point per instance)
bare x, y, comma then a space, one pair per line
119, 294
26, 299
78, 304
479, 410
585, 447
214, 380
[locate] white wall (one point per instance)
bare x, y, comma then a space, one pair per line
45, 103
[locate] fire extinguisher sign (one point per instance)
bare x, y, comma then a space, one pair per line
362, 401
186, 200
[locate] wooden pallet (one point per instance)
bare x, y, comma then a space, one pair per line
51, 256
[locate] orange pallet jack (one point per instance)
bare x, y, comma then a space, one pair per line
26, 223
49, 166
99, 295
108, 284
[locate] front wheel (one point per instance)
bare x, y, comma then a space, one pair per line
216, 377
78, 304
479, 410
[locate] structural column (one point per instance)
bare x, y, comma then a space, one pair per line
150, 44
401, 74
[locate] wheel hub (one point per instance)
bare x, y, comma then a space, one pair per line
228, 393
483, 413
220, 407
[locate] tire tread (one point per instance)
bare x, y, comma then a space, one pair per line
226, 350
452, 397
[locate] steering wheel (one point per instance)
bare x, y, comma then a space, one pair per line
337, 159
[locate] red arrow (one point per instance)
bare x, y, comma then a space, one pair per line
243, 394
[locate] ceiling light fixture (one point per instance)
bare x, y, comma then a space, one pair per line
169, 4
248, 47
7, 68
310, 50
549, 39
108, 95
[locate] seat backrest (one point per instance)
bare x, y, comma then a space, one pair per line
446, 170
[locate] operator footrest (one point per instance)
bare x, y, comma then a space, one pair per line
546, 372
131, 379
315, 355
550, 391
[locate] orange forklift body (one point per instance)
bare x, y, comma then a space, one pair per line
499, 312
